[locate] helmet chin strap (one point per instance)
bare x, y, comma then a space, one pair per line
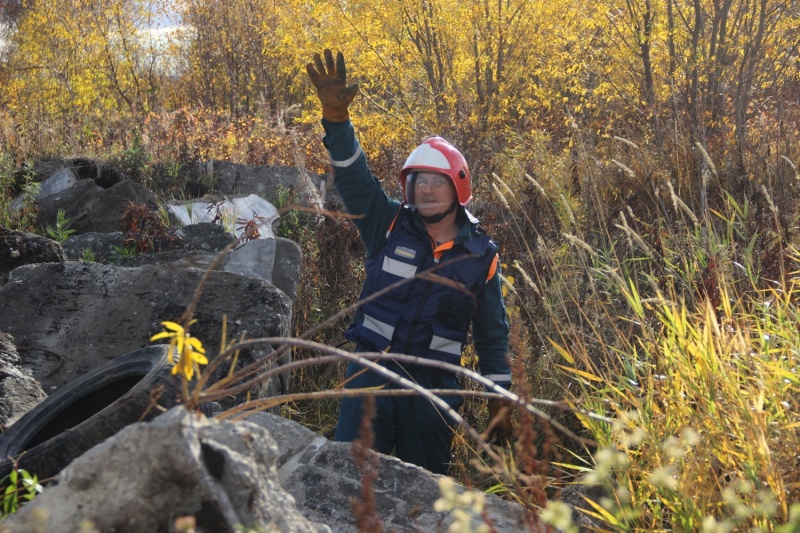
438, 217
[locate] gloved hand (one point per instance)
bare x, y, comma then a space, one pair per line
502, 430
331, 83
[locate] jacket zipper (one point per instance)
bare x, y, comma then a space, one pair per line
421, 305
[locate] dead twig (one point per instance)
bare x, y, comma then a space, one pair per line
368, 359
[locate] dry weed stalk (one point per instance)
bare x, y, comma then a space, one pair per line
633, 236
534, 470
564, 201
364, 510
628, 171
679, 204
576, 241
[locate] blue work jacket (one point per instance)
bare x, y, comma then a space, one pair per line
424, 316
472, 253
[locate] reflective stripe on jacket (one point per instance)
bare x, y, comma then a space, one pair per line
422, 317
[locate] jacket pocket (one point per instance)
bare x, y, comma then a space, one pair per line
400, 263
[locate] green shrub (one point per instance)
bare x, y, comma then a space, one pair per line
289, 225
21, 219
17, 488
87, 256
122, 253
61, 232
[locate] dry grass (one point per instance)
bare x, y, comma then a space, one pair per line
683, 329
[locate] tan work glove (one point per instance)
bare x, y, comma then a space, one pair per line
331, 83
500, 428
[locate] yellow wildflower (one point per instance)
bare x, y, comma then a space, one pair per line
190, 350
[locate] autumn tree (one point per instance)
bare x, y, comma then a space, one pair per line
10, 11
84, 57
483, 73
705, 57
237, 53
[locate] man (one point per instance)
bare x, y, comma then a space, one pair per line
431, 228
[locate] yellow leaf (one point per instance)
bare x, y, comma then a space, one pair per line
162, 335
601, 513
564, 353
587, 375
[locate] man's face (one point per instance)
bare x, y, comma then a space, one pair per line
433, 193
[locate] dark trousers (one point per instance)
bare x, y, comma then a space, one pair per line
410, 425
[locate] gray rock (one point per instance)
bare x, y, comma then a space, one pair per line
101, 211
60, 181
101, 244
205, 236
254, 259
290, 437
72, 200
18, 248
324, 479
266, 181
90, 208
19, 393
174, 260
287, 267
180, 464
103, 174
89, 313
8, 350
194, 246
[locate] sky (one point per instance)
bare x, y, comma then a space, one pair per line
166, 20
2, 39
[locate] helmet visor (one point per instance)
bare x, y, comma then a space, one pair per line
429, 191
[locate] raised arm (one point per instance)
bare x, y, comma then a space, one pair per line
361, 192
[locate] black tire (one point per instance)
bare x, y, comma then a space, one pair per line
87, 411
